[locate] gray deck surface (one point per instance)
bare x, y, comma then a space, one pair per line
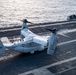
63, 62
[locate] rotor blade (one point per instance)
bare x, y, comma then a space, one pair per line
30, 22
52, 30
27, 22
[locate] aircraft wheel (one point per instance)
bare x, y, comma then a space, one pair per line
32, 52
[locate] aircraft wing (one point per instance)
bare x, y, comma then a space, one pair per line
26, 32
40, 40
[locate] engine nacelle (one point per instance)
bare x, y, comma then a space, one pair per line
2, 48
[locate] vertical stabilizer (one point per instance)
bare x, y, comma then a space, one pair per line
2, 48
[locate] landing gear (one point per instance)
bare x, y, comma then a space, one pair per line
32, 52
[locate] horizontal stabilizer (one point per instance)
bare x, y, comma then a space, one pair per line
2, 48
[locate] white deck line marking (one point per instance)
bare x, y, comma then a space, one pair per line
7, 57
57, 24
65, 31
66, 42
51, 65
42, 72
66, 70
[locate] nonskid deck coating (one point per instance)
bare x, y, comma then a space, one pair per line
65, 51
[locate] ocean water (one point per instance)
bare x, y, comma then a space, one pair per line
36, 11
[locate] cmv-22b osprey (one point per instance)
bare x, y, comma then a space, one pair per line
31, 42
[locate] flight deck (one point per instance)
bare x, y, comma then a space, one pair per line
62, 62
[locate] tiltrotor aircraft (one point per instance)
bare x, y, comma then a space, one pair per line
31, 42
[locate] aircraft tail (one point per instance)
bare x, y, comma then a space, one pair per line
2, 48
